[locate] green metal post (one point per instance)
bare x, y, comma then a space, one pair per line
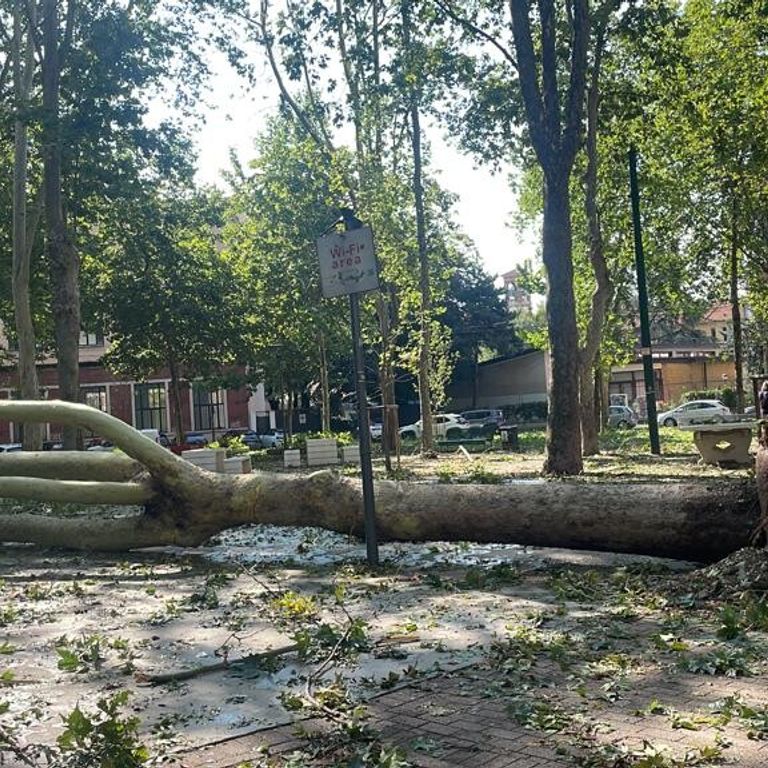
642, 299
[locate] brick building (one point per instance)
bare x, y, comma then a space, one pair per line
146, 404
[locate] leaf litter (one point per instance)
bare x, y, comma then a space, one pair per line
77, 627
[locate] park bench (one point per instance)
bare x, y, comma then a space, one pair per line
725, 443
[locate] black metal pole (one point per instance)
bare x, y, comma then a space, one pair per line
642, 300
363, 422
364, 436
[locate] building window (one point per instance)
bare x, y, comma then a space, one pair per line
150, 405
91, 339
96, 397
207, 407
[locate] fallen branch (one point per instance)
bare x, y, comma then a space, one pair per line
76, 491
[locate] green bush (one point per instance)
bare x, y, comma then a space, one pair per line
342, 438
234, 445
534, 411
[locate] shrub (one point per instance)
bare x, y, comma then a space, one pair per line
534, 411
342, 438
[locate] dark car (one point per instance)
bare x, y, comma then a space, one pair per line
196, 439
248, 436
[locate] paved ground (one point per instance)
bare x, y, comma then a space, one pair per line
465, 719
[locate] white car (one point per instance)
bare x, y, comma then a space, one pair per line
446, 426
377, 430
272, 438
695, 412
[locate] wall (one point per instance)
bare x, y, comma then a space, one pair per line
511, 381
120, 398
681, 375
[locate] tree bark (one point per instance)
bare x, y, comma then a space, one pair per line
63, 259
186, 505
425, 310
738, 338
554, 125
603, 292
176, 396
563, 418
23, 235
324, 385
390, 422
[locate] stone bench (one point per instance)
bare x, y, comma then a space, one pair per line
726, 443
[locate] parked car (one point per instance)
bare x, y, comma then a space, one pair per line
10, 447
621, 417
101, 446
446, 426
196, 439
249, 436
161, 438
484, 417
695, 412
272, 438
750, 410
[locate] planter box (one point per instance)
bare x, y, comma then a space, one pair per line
350, 454
292, 458
322, 452
238, 465
211, 459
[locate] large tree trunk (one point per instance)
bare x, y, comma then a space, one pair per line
603, 292
63, 259
185, 505
23, 234
563, 419
425, 310
554, 124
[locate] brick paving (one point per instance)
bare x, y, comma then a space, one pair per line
462, 719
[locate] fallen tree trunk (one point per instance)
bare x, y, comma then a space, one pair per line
185, 506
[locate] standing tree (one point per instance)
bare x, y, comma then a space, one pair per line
167, 297
477, 315
547, 72
63, 258
24, 227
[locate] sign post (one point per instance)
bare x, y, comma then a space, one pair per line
348, 267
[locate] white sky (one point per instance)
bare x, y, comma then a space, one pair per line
235, 116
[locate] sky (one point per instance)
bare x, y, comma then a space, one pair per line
235, 115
